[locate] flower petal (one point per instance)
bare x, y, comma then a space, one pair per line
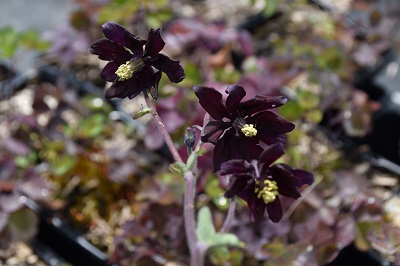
154, 84
298, 177
236, 185
110, 50
256, 206
114, 32
275, 211
120, 35
154, 43
122, 89
285, 180
261, 103
269, 139
145, 77
108, 72
225, 149
211, 100
248, 147
303, 177
235, 167
213, 130
134, 43
270, 122
272, 154
172, 68
236, 94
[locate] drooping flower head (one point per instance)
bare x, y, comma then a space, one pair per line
259, 183
236, 128
131, 68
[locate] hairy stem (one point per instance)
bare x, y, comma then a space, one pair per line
229, 217
162, 129
190, 224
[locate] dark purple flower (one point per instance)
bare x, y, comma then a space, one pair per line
259, 182
130, 68
236, 128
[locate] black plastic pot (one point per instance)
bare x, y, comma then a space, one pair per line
57, 241
351, 256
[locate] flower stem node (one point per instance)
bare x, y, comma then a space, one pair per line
249, 130
268, 192
125, 71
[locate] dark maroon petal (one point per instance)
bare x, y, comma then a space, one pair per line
122, 89
114, 32
269, 139
145, 77
154, 43
275, 211
108, 72
272, 154
211, 100
154, 85
256, 206
134, 43
303, 177
261, 103
235, 167
110, 50
213, 130
119, 34
236, 185
298, 177
286, 181
270, 122
236, 94
225, 149
172, 68
248, 147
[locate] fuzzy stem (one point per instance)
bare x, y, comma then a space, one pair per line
190, 224
162, 129
229, 217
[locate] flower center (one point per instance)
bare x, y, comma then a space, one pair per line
126, 71
248, 130
267, 190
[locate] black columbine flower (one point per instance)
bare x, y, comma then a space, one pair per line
236, 128
130, 68
259, 183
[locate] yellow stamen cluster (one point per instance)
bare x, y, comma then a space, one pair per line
268, 192
125, 71
249, 130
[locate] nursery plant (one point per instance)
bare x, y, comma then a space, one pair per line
248, 137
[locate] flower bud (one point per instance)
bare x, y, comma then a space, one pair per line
190, 137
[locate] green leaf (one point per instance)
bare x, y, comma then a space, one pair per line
92, 126
314, 116
178, 168
23, 224
307, 100
8, 42
63, 164
205, 228
142, 112
291, 111
206, 233
270, 7
192, 75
